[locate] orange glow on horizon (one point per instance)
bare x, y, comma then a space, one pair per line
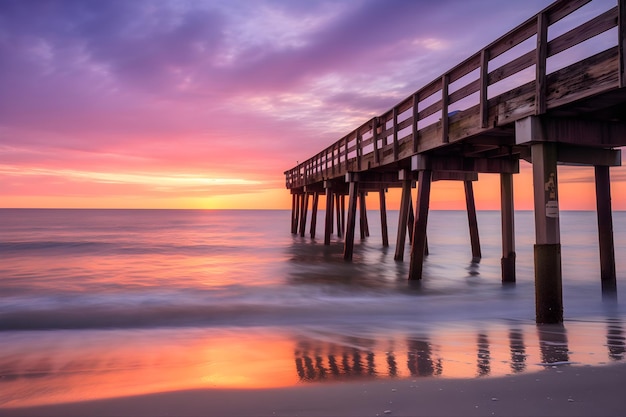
576, 192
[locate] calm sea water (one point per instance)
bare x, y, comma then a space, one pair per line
101, 303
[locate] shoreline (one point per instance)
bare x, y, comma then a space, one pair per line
564, 390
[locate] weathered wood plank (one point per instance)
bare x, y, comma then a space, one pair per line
465, 67
587, 78
513, 67
464, 91
587, 30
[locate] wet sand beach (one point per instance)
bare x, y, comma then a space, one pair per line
565, 390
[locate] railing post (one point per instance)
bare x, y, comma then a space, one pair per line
359, 149
484, 83
395, 134
345, 154
415, 120
621, 40
445, 80
375, 139
540, 63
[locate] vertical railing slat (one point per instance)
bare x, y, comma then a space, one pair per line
445, 99
415, 120
484, 83
395, 134
621, 39
540, 64
375, 138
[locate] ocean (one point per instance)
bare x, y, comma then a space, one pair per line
110, 303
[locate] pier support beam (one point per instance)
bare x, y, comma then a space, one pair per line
338, 215
364, 225
411, 222
403, 218
348, 247
548, 281
316, 198
473, 222
605, 232
305, 208
411, 226
328, 224
418, 245
383, 217
294, 213
343, 212
507, 212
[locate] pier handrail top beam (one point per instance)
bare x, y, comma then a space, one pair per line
362, 148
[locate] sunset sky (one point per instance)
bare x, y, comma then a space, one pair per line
204, 104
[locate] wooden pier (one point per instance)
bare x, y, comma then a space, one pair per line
478, 117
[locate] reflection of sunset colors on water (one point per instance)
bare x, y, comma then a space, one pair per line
39, 369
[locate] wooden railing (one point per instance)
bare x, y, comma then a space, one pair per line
432, 116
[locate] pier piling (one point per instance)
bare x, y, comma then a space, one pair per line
605, 231
305, 207
352, 202
403, 216
328, 224
316, 198
383, 217
472, 220
548, 281
507, 215
421, 221
338, 215
364, 226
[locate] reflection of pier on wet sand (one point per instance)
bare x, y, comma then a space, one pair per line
472, 354
38, 368
500, 106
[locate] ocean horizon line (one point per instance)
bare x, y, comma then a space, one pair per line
255, 209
